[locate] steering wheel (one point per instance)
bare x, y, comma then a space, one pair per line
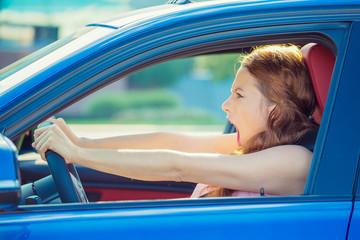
66, 178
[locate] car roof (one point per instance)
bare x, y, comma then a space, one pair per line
253, 7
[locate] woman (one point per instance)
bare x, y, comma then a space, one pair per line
270, 104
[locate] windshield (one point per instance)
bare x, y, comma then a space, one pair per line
21, 70
12, 68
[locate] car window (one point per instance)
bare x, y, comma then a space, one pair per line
183, 95
180, 95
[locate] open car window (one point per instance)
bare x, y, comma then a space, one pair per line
183, 92
183, 95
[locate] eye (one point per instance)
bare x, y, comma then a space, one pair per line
238, 95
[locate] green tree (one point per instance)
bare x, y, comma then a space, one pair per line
221, 66
161, 75
107, 105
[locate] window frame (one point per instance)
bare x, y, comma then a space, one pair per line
333, 35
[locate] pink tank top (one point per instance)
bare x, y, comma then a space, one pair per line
201, 189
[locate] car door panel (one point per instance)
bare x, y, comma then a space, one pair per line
286, 220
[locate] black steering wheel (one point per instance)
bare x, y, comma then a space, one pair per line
66, 178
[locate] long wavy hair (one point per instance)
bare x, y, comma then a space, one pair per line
282, 77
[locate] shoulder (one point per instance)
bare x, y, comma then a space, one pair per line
286, 166
294, 149
284, 150
289, 157
292, 154
294, 158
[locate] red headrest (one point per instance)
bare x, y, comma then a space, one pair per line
320, 62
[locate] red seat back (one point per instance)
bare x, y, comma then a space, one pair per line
320, 62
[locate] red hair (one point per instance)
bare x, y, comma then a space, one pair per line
282, 77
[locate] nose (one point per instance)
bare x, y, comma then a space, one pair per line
226, 105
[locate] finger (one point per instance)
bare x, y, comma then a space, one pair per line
40, 153
38, 134
67, 130
40, 141
37, 137
57, 121
50, 132
64, 127
45, 146
39, 131
60, 123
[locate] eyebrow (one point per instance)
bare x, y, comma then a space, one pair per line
238, 89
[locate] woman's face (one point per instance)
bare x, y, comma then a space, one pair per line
246, 108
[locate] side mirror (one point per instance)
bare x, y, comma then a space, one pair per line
10, 186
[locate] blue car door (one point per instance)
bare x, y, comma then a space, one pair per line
262, 218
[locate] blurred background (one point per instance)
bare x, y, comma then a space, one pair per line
27, 25
184, 92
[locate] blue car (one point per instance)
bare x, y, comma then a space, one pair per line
42, 84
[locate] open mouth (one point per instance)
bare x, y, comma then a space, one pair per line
237, 132
238, 136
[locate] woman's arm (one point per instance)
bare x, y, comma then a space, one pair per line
221, 143
280, 170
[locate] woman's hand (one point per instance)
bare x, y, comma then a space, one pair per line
66, 130
53, 138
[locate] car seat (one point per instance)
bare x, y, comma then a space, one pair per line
320, 62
